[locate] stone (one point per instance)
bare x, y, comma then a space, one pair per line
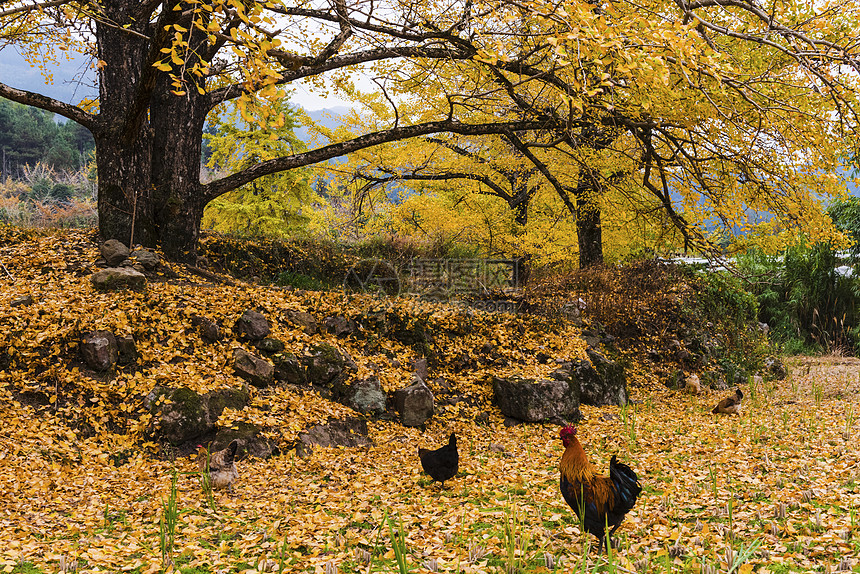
118, 278
249, 438
365, 396
350, 433
289, 369
533, 400
218, 400
181, 415
252, 368
99, 350
209, 330
126, 349
340, 326
414, 403
419, 368
270, 346
601, 381
252, 325
327, 365
114, 252
23, 301
305, 321
147, 258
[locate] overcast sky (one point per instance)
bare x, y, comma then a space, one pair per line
16, 72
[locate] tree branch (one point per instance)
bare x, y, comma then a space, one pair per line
33, 6
305, 70
218, 187
89, 121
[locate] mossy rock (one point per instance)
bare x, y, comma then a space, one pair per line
184, 415
250, 439
289, 369
327, 366
180, 416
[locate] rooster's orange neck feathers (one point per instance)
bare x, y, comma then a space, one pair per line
574, 464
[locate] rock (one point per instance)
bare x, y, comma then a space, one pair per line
126, 349
535, 401
365, 396
181, 415
23, 301
114, 252
676, 380
147, 258
775, 368
693, 386
252, 368
209, 330
250, 438
350, 433
269, 345
303, 320
419, 368
415, 403
327, 366
118, 278
99, 350
340, 326
218, 400
601, 381
288, 369
252, 326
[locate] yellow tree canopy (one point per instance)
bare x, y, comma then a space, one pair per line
711, 107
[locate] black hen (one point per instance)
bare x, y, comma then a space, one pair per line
441, 464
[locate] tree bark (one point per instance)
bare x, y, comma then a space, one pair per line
123, 148
588, 230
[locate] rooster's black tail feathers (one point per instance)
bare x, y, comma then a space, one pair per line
627, 487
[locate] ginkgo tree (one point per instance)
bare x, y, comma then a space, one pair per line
271, 205
718, 107
164, 66
723, 113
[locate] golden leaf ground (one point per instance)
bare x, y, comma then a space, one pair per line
95, 497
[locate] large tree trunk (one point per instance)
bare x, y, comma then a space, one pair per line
148, 151
589, 233
123, 143
176, 170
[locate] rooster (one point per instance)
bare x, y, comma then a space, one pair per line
441, 464
600, 502
220, 464
730, 405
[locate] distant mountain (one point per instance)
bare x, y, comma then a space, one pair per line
328, 117
73, 79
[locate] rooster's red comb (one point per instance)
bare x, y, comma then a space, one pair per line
569, 430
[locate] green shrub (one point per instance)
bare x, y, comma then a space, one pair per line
806, 303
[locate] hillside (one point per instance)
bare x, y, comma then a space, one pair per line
93, 489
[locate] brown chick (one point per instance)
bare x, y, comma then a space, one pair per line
221, 464
730, 405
